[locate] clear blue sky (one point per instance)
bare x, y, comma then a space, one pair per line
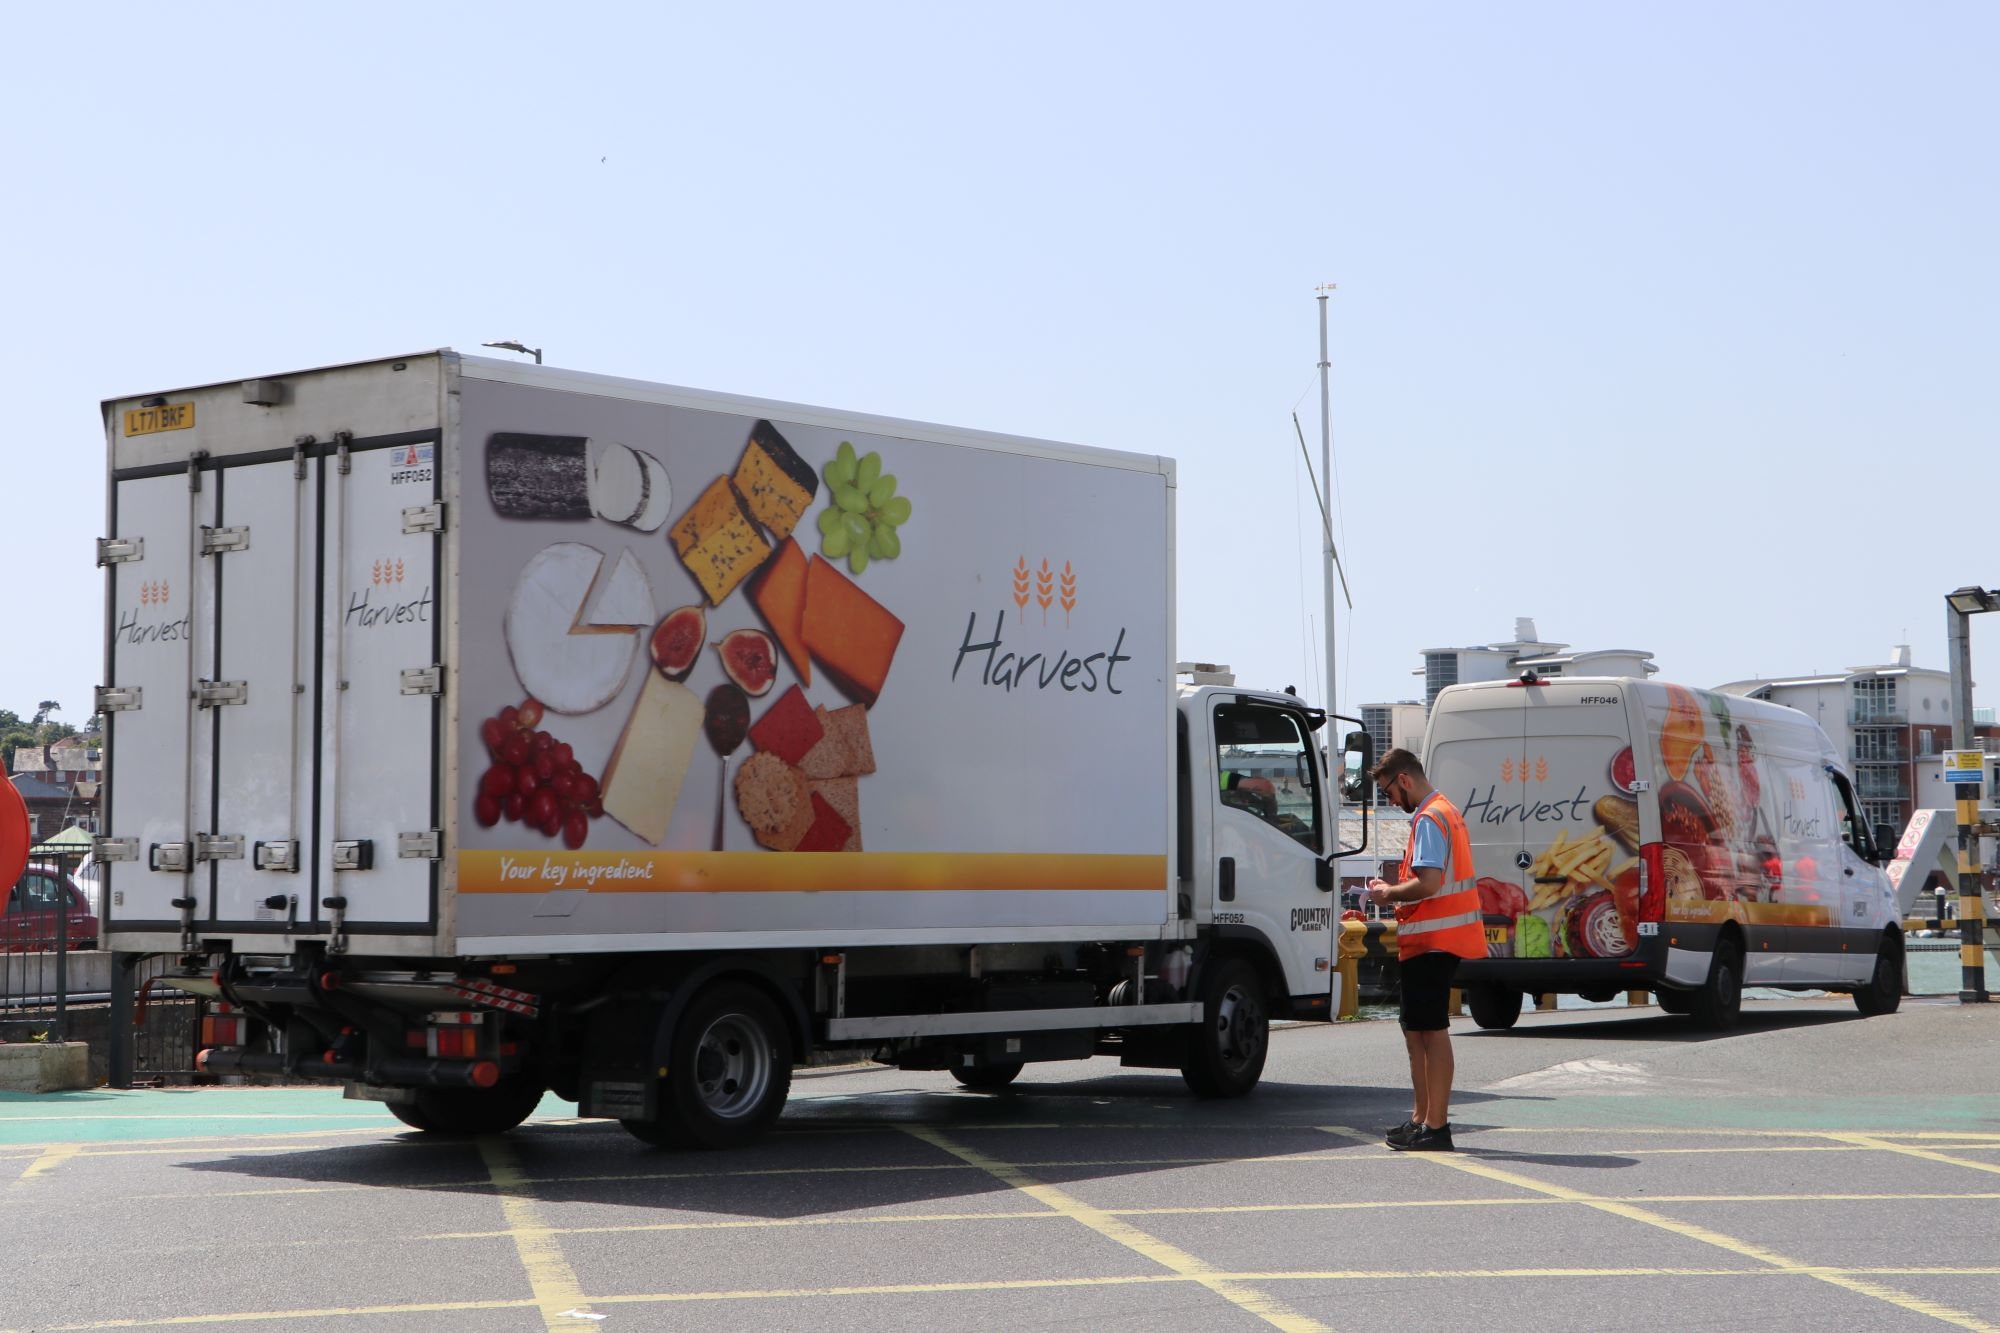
1672, 326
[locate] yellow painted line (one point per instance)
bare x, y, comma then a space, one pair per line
258, 1316
1695, 1232
1927, 1154
772, 1224
557, 1292
1566, 1130
51, 1157
1170, 1257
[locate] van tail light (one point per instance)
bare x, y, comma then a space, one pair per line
1652, 883
224, 1025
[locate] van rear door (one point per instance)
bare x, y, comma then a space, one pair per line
1545, 778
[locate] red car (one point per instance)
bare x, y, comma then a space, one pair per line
29, 923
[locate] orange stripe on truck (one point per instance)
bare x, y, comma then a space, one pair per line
484, 871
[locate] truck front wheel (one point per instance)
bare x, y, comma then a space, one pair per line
1226, 1049
729, 1071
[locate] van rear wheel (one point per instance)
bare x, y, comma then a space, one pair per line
1493, 1006
987, 1077
1719, 1002
1884, 991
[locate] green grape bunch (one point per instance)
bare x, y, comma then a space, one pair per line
865, 512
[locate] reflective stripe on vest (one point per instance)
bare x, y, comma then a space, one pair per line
1449, 921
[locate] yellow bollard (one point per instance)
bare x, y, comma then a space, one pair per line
1347, 962
1545, 1003
1457, 1008
1638, 999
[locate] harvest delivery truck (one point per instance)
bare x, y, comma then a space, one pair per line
479, 729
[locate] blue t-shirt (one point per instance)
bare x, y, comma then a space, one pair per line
1427, 844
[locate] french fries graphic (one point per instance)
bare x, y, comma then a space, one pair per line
1568, 867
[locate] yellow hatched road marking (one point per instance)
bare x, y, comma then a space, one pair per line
49, 1159
1168, 1256
1696, 1232
1027, 1284
1927, 1154
558, 1295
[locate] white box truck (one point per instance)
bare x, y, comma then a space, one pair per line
1635, 835
478, 729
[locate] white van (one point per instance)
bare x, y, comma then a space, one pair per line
1634, 835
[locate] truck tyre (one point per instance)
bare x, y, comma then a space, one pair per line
470, 1112
988, 1078
1226, 1049
1719, 1002
729, 1070
1493, 1007
1674, 1001
1884, 991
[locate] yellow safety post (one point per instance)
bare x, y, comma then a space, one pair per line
1545, 1003
1638, 999
1347, 951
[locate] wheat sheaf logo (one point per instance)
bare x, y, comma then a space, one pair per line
1538, 772
153, 592
1044, 587
387, 571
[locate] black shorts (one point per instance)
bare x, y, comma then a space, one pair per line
1427, 991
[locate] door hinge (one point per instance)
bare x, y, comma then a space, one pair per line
218, 847
115, 849
216, 693
117, 699
354, 854
418, 846
424, 518
174, 856
214, 541
118, 550
282, 855
423, 680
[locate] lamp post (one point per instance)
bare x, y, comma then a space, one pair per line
1961, 605
520, 347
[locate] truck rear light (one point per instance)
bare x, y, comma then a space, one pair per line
224, 1026
453, 1036
485, 1074
1652, 883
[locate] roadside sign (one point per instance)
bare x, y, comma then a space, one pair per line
1964, 766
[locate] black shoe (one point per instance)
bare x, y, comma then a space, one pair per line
1398, 1135
1425, 1139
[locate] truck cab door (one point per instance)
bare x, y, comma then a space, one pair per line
1273, 828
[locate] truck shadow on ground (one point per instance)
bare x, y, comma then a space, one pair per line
899, 1148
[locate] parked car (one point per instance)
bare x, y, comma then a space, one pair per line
30, 921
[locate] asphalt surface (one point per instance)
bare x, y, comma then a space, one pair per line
1809, 1170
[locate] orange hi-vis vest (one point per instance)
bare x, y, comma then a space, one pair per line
1448, 921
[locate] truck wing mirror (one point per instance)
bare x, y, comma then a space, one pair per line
1357, 756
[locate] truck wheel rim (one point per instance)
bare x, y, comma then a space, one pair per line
732, 1066
1238, 1031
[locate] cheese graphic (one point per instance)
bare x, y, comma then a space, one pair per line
621, 599
848, 632
774, 481
643, 780
568, 669
571, 477
718, 541
629, 487
779, 594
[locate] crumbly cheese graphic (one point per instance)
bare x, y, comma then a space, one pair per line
628, 486
574, 477
621, 598
775, 482
643, 780
570, 671
718, 540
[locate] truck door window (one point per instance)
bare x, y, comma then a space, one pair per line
1264, 756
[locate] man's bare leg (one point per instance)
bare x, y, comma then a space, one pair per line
1434, 1085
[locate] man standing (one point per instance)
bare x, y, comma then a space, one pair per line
1437, 923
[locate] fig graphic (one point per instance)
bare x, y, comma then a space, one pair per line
749, 659
677, 641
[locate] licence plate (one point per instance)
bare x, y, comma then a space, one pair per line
151, 420
1499, 934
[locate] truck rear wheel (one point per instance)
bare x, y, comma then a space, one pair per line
1226, 1049
988, 1078
1884, 991
729, 1070
470, 1112
1719, 1002
1495, 1007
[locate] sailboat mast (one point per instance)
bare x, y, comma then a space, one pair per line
1327, 573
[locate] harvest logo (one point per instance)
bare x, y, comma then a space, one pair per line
1049, 588
1539, 773
387, 571
153, 592
1072, 672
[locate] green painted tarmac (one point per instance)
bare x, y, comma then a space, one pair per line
106, 1116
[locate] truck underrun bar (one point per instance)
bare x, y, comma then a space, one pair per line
400, 1073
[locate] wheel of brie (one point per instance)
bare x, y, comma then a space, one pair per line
561, 658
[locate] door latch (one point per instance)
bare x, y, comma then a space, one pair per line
177, 857
115, 849
282, 855
218, 847
354, 854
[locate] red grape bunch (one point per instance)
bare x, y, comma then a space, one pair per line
535, 779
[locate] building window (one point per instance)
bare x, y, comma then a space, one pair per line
1884, 812
1440, 671
1926, 744
1874, 697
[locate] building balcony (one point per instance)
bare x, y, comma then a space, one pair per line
1857, 717
1880, 791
